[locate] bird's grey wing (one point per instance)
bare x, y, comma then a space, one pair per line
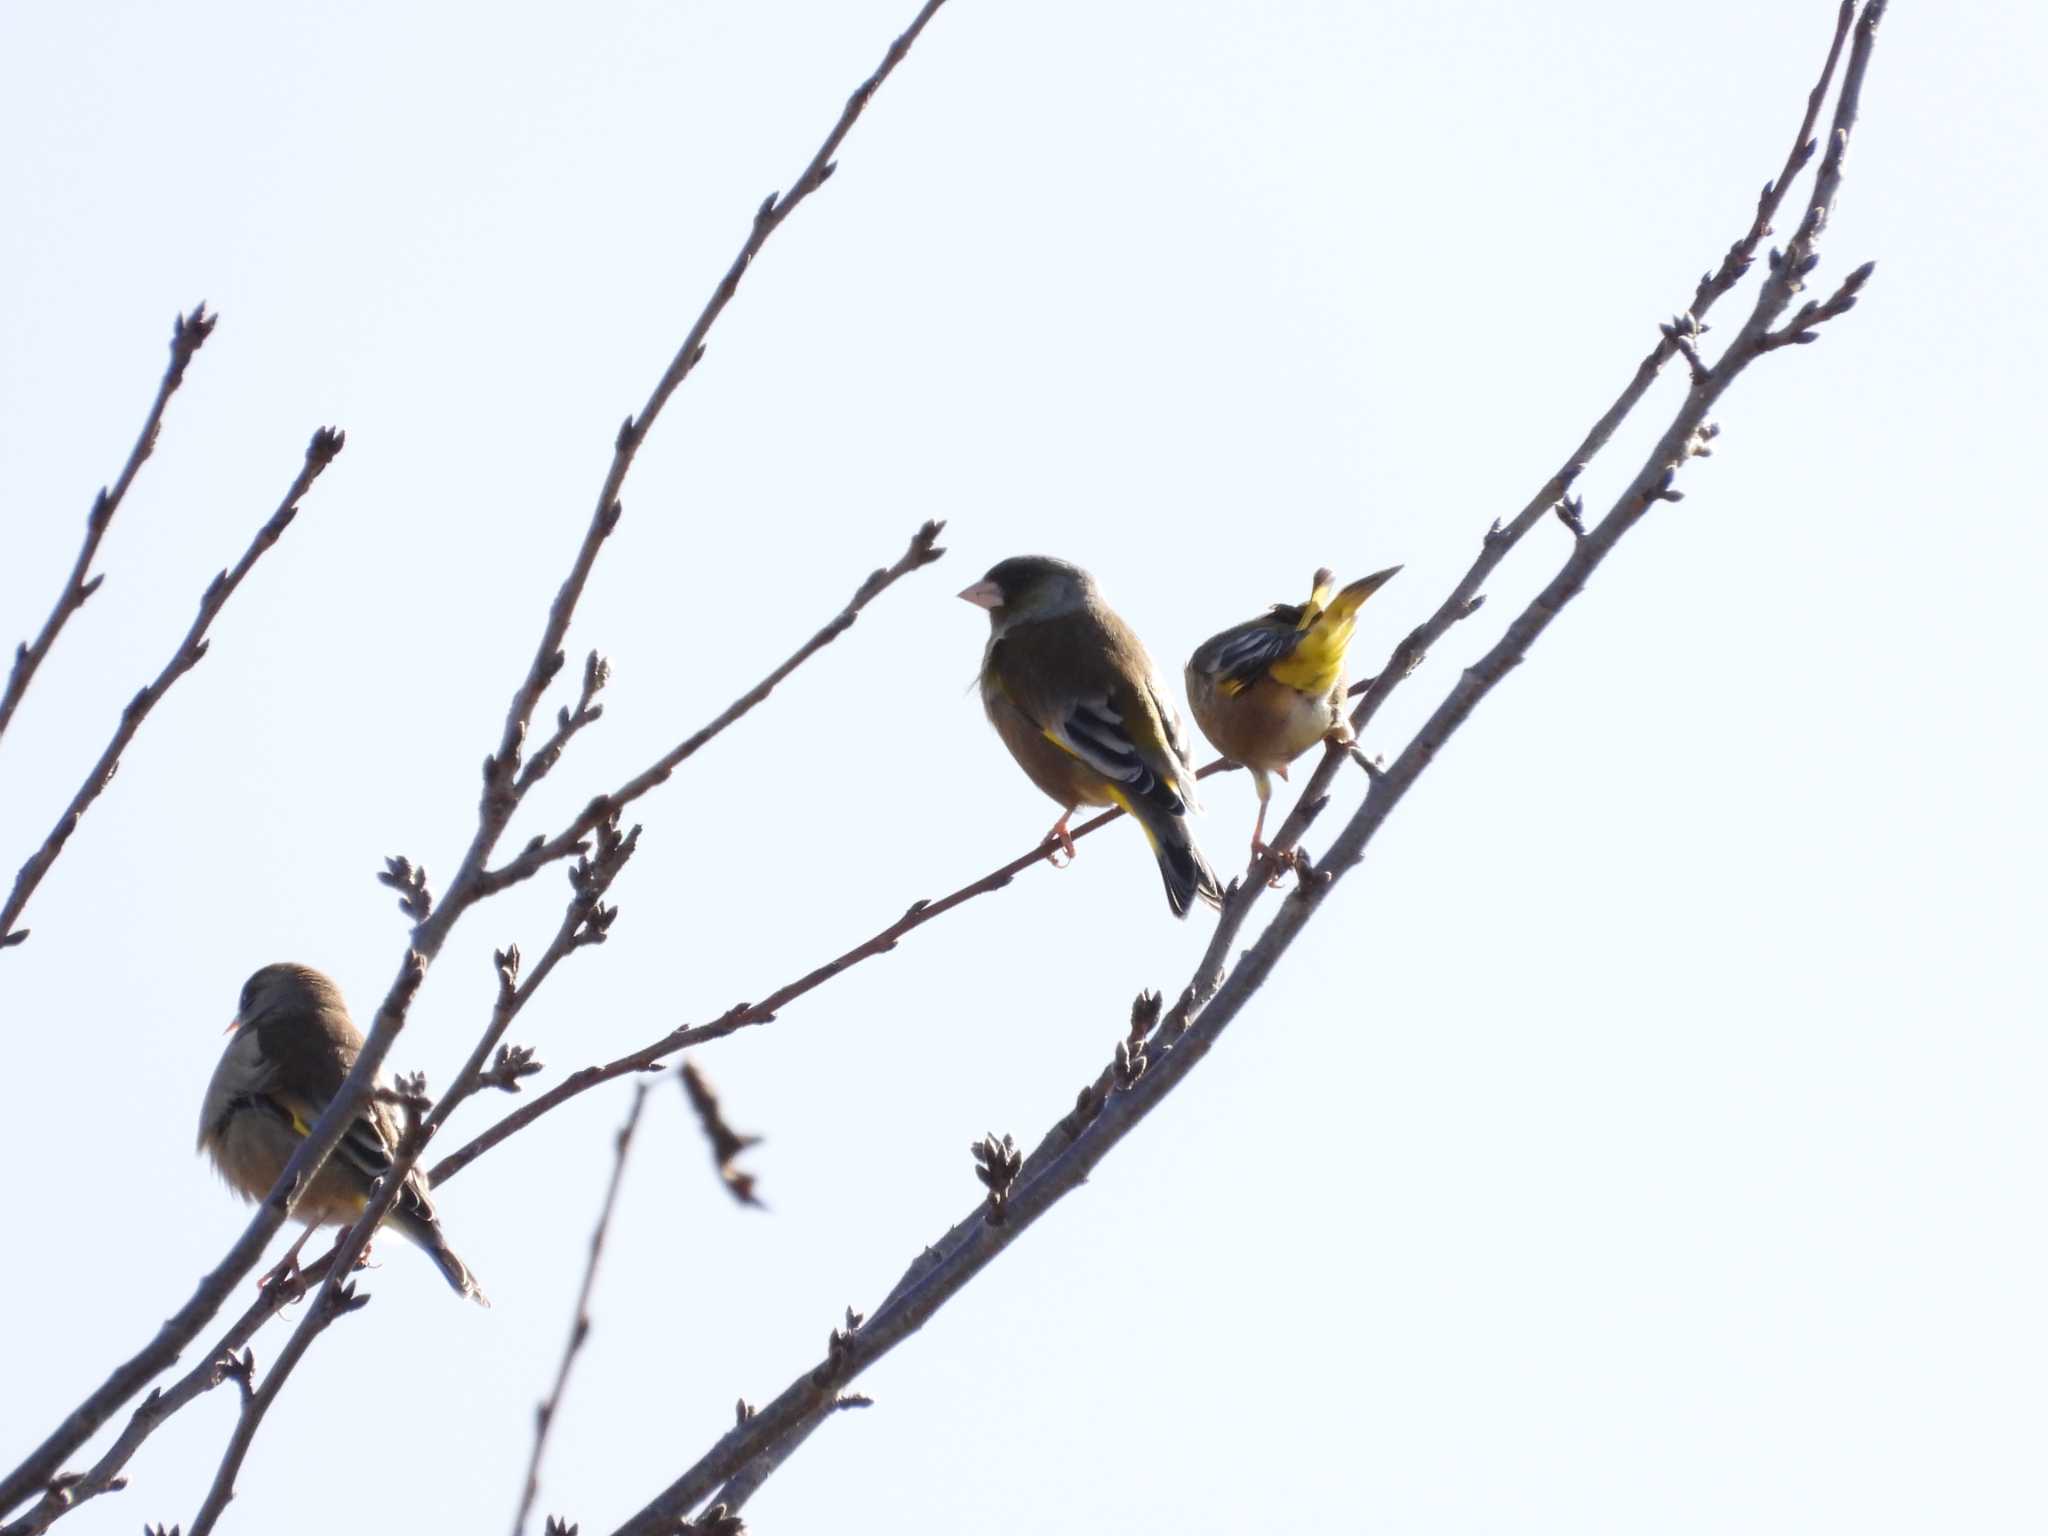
1239, 657
369, 1145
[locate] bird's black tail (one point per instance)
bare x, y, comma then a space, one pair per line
1186, 873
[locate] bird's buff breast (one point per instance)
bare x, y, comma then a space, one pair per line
251, 1150
1268, 725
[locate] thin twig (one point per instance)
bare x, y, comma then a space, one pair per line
596, 673
320, 452
1067, 1154
579, 1326
188, 335
541, 852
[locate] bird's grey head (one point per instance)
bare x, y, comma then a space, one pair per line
1026, 587
285, 988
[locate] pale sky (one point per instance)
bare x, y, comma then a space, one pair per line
1648, 1137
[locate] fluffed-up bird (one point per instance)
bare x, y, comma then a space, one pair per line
293, 1044
1075, 698
1266, 691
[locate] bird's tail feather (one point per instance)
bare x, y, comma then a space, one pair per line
1187, 875
427, 1235
1181, 865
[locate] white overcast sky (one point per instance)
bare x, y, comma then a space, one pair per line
1649, 1137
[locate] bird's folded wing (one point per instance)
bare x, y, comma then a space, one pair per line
366, 1147
1093, 730
1239, 657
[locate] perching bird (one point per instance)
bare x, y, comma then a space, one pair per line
1266, 691
293, 1045
1079, 704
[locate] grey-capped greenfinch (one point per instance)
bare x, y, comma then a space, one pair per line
1075, 698
293, 1044
1267, 690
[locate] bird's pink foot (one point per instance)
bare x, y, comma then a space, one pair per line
284, 1278
1277, 864
1059, 844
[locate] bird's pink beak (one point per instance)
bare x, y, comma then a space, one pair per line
237, 1019
984, 594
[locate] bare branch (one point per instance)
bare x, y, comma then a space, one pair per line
1801, 328
1743, 251
726, 1143
320, 452
579, 1327
188, 335
596, 673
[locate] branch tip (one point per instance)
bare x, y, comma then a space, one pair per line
726, 1143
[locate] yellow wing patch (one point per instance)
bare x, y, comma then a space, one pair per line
1325, 626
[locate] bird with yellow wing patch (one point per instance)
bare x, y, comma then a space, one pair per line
1267, 690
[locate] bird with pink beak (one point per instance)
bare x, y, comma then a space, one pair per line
1074, 696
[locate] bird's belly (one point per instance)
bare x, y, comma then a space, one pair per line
251, 1151
1270, 724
